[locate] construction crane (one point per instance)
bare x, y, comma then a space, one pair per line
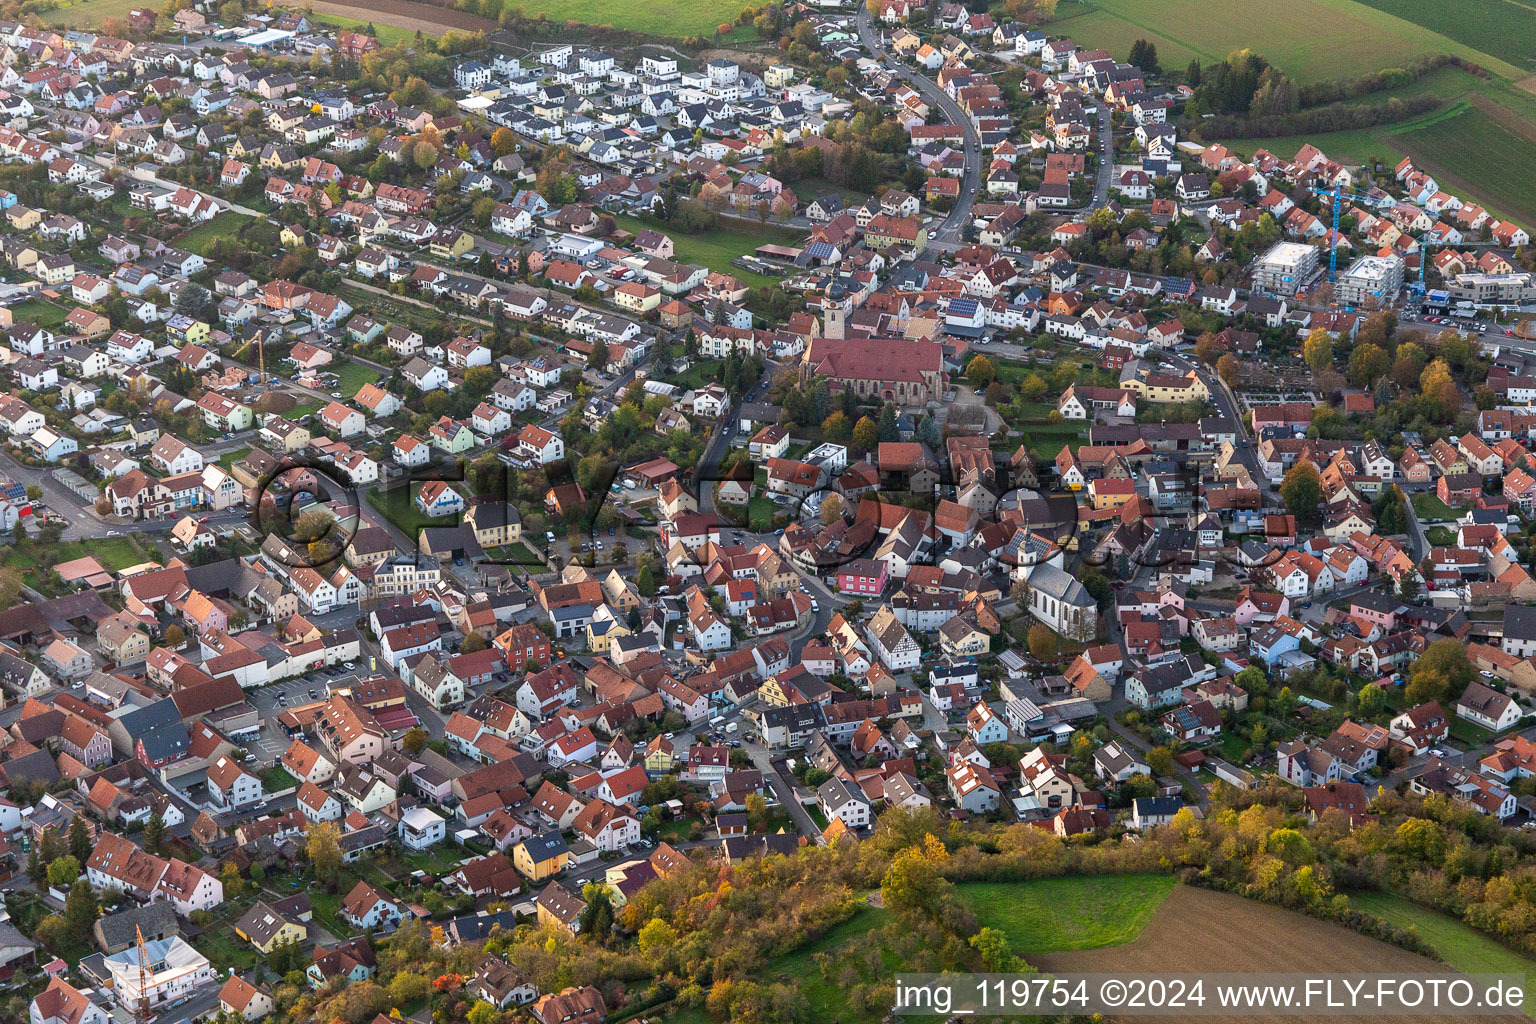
1337, 194
141, 1013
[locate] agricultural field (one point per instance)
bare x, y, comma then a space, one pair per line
1458, 945
657, 17
1057, 914
1501, 28
1483, 150
388, 35
1201, 930
1311, 40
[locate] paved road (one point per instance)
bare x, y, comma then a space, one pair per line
948, 233
783, 790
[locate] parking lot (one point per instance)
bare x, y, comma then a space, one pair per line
271, 701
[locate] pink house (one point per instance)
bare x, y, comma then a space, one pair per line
1286, 416
203, 614
863, 576
1259, 606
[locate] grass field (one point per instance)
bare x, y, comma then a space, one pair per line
715, 249
388, 35
39, 311
1429, 507
399, 507
1311, 40
114, 553
1501, 28
226, 225
353, 376
1457, 944
91, 13
657, 18
1058, 914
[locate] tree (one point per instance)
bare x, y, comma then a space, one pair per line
832, 508
473, 642
80, 909
865, 434
503, 141
414, 740
175, 636
1370, 701
757, 812
886, 425
980, 372
1208, 348
1368, 363
154, 832
996, 955
656, 937
1391, 512
597, 358
322, 845
63, 871
230, 878
1144, 56
1318, 350
10, 586
80, 838
1044, 644
597, 917
1229, 369
1436, 385
1160, 760
1302, 490
36, 869
836, 427
1441, 673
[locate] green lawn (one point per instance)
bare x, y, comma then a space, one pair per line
276, 779
352, 376
399, 507
657, 18
1056, 914
436, 861
715, 249
39, 311
1429, 507
1440, 537
226, 225
1458, 944
700, 373
1311, 40
760, 512
823, 996
114, 553
229, 458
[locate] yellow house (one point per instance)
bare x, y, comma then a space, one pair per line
265, 928
601, 635
636, 297
540, 857
772, 693
23, 218
1107, 493
451, 244
194, 333
959, 638
495, 523
1168, 387
778, 76
293, 236
658, 756
616, 591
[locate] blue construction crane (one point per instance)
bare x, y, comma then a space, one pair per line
1337, 193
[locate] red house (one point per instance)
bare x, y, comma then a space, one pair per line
863, 576
524, 643
1458, 489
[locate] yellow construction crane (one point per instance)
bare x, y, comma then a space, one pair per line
142, 1013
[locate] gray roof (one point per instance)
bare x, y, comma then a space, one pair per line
1050, 580
118, 931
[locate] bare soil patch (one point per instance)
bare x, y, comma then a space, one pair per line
276, 402
1200, 930
412, 17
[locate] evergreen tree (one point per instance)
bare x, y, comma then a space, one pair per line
886, 425
80, 839
1192, 74
154, 833
80, 909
